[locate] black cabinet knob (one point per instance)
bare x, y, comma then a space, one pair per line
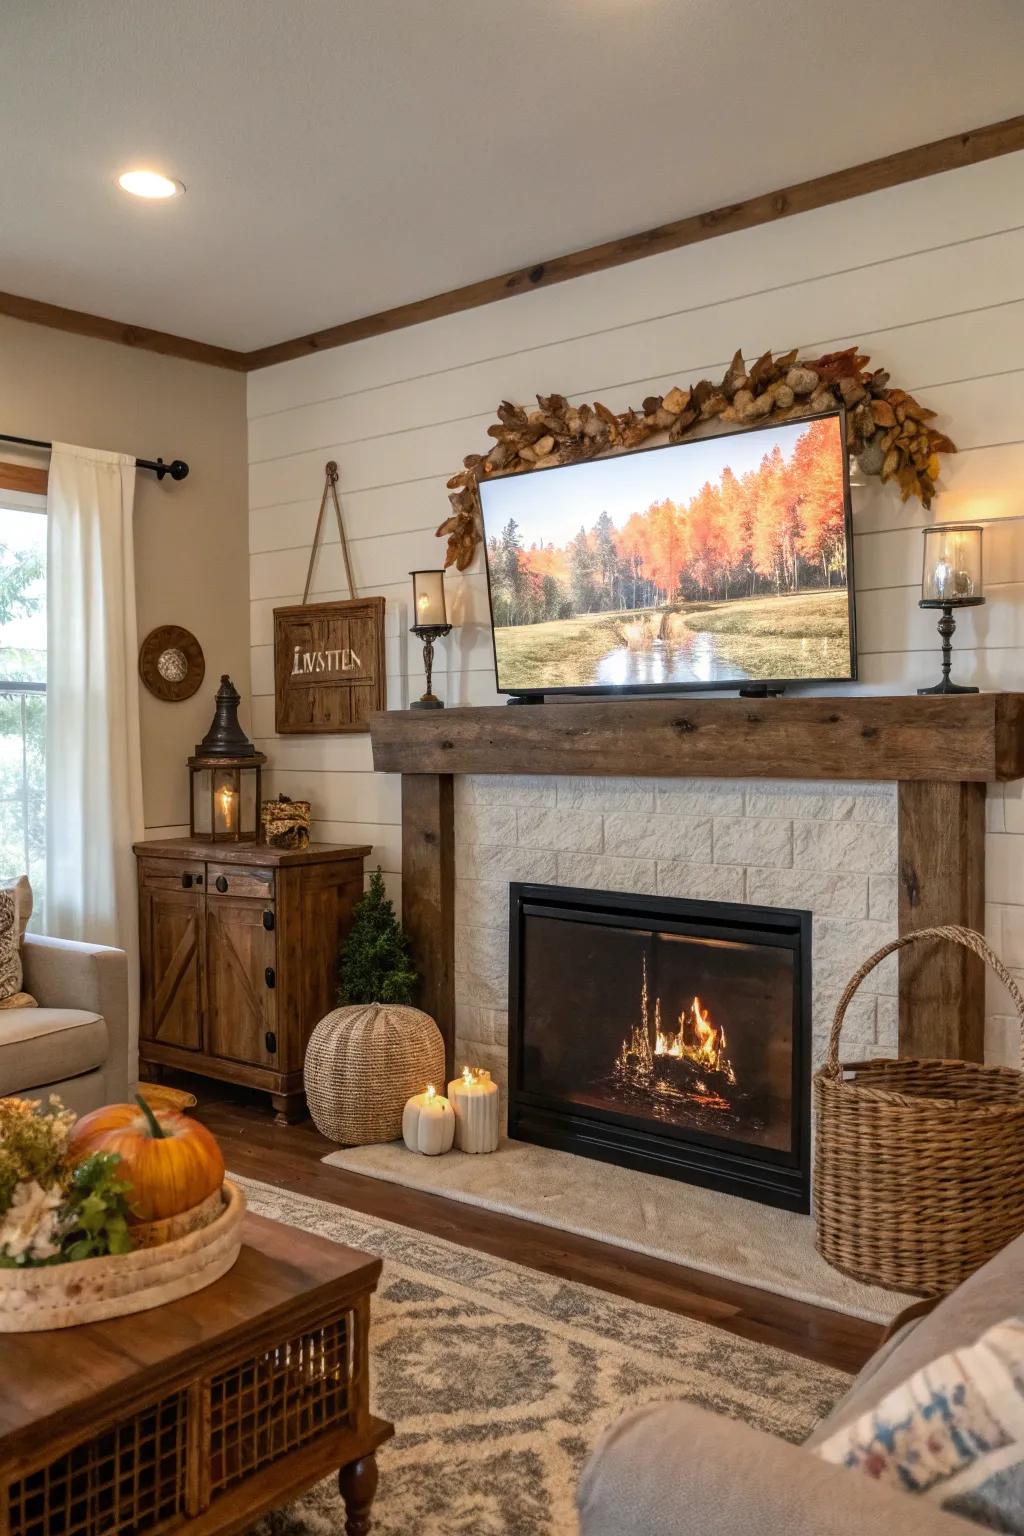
268, 921
270, 976
270, 1040
222, 883
186, 881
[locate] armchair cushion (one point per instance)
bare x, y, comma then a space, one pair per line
39, 1046
673, 1469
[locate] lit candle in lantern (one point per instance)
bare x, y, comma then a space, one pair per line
226, 796
428, 1123
474, 1098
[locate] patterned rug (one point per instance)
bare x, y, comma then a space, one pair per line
500, 1380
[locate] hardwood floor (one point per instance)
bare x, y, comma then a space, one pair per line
289, 1156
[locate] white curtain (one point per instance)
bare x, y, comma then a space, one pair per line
93, 758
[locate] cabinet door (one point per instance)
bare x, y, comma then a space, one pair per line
241, 983
172, 943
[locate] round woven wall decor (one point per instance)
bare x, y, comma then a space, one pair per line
363, 1063
171, 663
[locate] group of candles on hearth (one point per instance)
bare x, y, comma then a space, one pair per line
467, 1119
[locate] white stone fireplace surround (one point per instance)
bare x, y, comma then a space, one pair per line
826, 848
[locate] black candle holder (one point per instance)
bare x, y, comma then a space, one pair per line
428, 633
947, 629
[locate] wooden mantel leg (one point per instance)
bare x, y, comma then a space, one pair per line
428, 894
941, 880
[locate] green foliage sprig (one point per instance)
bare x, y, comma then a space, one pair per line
95, 1218
376, 966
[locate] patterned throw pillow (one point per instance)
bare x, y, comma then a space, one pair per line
19, 884
954, 1432
10, 943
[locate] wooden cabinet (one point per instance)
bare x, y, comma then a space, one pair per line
239, 947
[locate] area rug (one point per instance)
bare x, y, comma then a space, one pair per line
500, 1380
721, 1234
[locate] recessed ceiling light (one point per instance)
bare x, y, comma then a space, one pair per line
149, 184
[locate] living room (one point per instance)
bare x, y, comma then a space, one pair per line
511, 895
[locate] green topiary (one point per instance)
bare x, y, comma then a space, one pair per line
376, 966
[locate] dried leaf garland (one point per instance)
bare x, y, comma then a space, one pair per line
887, 429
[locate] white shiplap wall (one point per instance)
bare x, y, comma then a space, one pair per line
928, 277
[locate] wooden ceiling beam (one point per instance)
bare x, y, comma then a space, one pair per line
79, 323
948, 154
952, 153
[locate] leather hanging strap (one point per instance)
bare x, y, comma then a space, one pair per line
330, 489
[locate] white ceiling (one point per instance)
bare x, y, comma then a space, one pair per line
344, 156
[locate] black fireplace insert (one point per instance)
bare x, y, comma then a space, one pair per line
665, 1035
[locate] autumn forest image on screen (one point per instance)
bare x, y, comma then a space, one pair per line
714, 561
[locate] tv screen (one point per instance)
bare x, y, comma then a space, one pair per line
719, 562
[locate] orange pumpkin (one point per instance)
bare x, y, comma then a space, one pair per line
172, 1162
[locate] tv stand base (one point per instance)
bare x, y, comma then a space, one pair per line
760, 691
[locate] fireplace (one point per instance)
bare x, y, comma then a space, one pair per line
666, 1035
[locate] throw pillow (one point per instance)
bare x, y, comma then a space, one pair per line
20, 885
19, 1000
953, 1433
10, 943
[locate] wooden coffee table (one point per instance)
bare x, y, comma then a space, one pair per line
203, 1414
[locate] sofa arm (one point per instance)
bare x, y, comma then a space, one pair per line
63, 973
671, 1469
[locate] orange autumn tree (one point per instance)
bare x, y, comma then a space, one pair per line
779, 528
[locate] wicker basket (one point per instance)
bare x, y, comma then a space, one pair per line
919, 1165
63, 1295
363, 1063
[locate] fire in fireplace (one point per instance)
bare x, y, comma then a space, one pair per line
666, 1035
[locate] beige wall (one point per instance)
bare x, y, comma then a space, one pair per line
191, 538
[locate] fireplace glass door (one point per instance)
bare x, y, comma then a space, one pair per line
669, 1035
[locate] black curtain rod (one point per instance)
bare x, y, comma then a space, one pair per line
177, 469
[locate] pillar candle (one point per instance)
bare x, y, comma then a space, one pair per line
428, 1123
474, 1098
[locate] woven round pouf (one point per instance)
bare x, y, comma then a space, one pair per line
363, 1063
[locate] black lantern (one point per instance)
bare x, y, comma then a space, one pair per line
952, 578
224, 777
431, 624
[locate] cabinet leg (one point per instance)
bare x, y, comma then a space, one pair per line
150, 1072
289, 1108
358, 1483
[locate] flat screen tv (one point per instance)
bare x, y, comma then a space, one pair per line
721, 562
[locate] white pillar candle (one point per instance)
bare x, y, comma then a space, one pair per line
428, 1123
474, 1098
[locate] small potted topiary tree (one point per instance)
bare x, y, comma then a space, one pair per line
375, 965
374, 1051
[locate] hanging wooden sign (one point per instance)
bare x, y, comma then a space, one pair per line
329, 667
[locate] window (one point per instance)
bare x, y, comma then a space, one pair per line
23, 700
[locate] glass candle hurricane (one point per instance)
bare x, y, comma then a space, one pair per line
952, 574
431, 622
951, 578
428, 599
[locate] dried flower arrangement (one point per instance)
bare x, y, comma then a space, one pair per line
53, 1210
887, 429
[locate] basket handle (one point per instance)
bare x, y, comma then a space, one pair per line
965, 936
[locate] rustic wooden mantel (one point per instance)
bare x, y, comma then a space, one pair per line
940, 751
